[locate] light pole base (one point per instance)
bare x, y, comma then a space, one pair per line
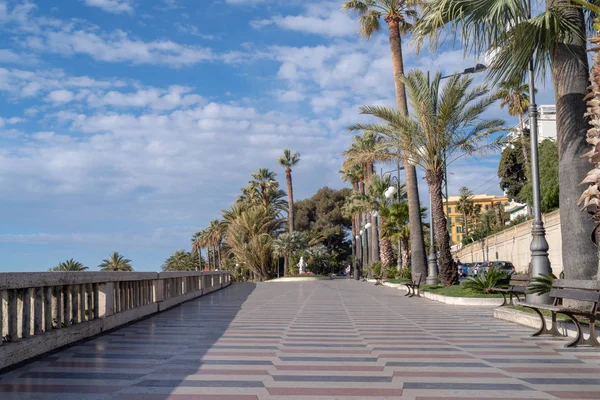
540, 263
432, 273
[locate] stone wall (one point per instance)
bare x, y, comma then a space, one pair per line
512, 245
40, 312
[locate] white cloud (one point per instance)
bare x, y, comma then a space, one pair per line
325, 18
118, 47
112, 6
60, 96
289, 96
156, 99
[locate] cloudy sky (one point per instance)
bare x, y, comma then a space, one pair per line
126, 125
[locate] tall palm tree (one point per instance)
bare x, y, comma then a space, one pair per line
365, 150
465, 207
286, 244
515, 94
197, 246
70, 265
353, 175
399, 15
394, 226
264, 189
116, 262
447, 125
287, 161
377, 201
556, 40
182, 260
590, 199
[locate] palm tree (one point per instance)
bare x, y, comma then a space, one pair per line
447, 125
264, 189
353, 175
287, 161
365, 150
399, 15
182, 260
70, 265
116, 262
197, 246
376, 201
465, 207
590, 199
394, 226
515, 95
286, 244
555, 39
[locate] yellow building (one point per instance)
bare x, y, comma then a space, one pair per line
485, 201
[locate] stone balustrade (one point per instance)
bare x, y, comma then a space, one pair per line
40, 312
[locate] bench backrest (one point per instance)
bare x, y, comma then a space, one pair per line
418, 277
583, 291
519, 280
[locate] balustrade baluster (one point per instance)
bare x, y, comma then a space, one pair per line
1, 317
48, 308
75, 300
96, 301
82, 306
38, 311
67, 303
58, 307
25, 295
90, 301
117, 297
12, 315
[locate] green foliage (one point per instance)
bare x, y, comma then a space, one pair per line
69, 266
390, 273
484, 282
182, 260
549, 189
323, 219
287, 244
404, 273
376, 268
512, 170
541, 284
116, 262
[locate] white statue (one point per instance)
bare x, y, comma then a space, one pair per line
301, 266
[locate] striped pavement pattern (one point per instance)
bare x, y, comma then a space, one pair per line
338, 339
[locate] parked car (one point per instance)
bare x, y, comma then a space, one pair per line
505, 266
473, 270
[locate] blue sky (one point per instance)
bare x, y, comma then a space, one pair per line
126, 125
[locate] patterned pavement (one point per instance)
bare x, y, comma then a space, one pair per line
312, 340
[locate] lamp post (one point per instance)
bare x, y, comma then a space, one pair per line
540, 263
473, 70
358, 264
395, 190
432, 267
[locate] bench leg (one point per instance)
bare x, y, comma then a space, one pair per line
414, 291
592, 340
407, 291
504, 300
511, 299
544, 329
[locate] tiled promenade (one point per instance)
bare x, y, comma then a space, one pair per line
315, 340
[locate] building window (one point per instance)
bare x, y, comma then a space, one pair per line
459, 229
450, 220
487, 207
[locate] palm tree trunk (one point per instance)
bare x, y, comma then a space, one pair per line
405, 252
286, 265
419, 262
570, 76
374, 253
523, 140
448, 271
498, 216
288, 177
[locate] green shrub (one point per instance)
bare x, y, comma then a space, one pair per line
404, 273
541, 284
484, 282
390, 273
376, 268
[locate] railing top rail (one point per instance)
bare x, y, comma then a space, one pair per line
20, 280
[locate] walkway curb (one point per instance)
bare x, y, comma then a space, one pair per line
303, 279
455, 301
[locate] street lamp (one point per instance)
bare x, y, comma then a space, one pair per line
391, 191
432, 267
540, 263
358, 263
472, 70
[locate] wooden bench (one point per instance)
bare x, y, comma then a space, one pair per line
414, 285
516, 287
587, 295
378, 280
